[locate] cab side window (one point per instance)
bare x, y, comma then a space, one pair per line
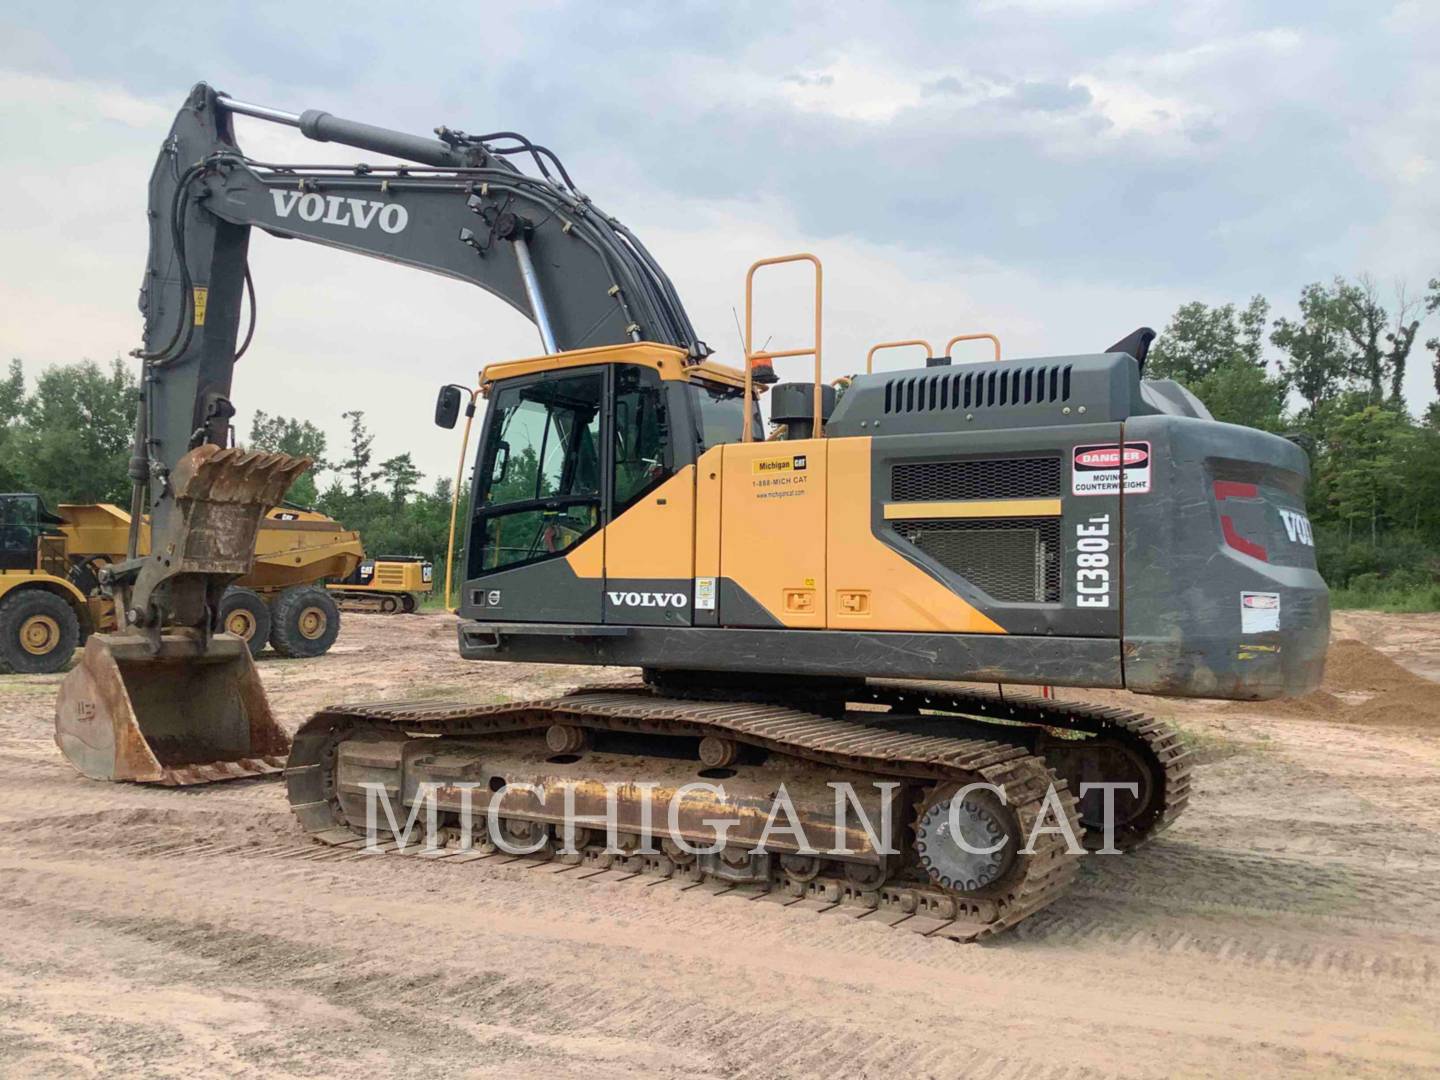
642, 434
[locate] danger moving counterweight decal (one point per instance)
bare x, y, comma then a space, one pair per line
1098, 468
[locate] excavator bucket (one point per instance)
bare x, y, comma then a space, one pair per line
182, 716
180, 706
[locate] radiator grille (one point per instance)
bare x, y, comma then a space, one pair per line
391, 576
1015, 560
955, 389
992, 478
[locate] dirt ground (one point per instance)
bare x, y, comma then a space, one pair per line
1289, 924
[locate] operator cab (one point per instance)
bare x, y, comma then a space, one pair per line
23, 521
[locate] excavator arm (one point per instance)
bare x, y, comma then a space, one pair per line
455, 205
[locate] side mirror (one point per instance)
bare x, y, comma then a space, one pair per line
447, 406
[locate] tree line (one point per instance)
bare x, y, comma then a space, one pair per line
1331, 378
69, 441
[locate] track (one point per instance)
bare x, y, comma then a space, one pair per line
1151, 744
1284, 926
937, 763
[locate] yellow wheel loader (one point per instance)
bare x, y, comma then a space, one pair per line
814, 608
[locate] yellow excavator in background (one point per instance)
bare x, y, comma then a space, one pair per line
51, 598
388, 584
806, 610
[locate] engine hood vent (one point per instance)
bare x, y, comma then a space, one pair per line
996, 388
991, 396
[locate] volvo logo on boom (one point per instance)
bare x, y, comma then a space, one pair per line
648, 599
341, 210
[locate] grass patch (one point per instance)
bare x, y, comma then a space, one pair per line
1380, 596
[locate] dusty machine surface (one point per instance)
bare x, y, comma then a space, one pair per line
387, 584
52, 599
803, 606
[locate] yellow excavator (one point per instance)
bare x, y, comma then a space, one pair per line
817, 609
51, 599
388, 584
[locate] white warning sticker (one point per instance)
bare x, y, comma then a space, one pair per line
704, 594
1259, 612
1097, 469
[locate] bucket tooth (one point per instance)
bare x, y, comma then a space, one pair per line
185, 715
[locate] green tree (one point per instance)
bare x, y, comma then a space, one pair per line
12, 408
1364, 475
1238, 392
1218, 354
399, 476
1200, 339
358, 463
1379, 348
1316, 364
74, 436
299, 438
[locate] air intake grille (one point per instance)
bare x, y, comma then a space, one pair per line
991, 478
949, 389
1015, 560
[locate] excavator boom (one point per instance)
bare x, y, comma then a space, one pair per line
455, 205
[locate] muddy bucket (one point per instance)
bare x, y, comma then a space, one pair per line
182, 716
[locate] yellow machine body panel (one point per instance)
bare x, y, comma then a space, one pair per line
785, 530
655, 537
10, 580
393, 577
772, 530
873, 586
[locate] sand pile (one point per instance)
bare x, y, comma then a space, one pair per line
1364, 686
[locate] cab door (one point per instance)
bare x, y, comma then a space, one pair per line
539, 496
650, 537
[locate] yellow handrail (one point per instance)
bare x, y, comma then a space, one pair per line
973, 337
751, 355
870, 356
455, 496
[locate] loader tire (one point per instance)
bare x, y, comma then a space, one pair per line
305, 621
244, 613
38, 632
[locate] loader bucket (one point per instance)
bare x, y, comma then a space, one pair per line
187, 715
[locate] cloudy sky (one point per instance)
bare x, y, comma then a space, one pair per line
1056, 172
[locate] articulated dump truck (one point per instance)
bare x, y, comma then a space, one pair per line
52, 596
821, 607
